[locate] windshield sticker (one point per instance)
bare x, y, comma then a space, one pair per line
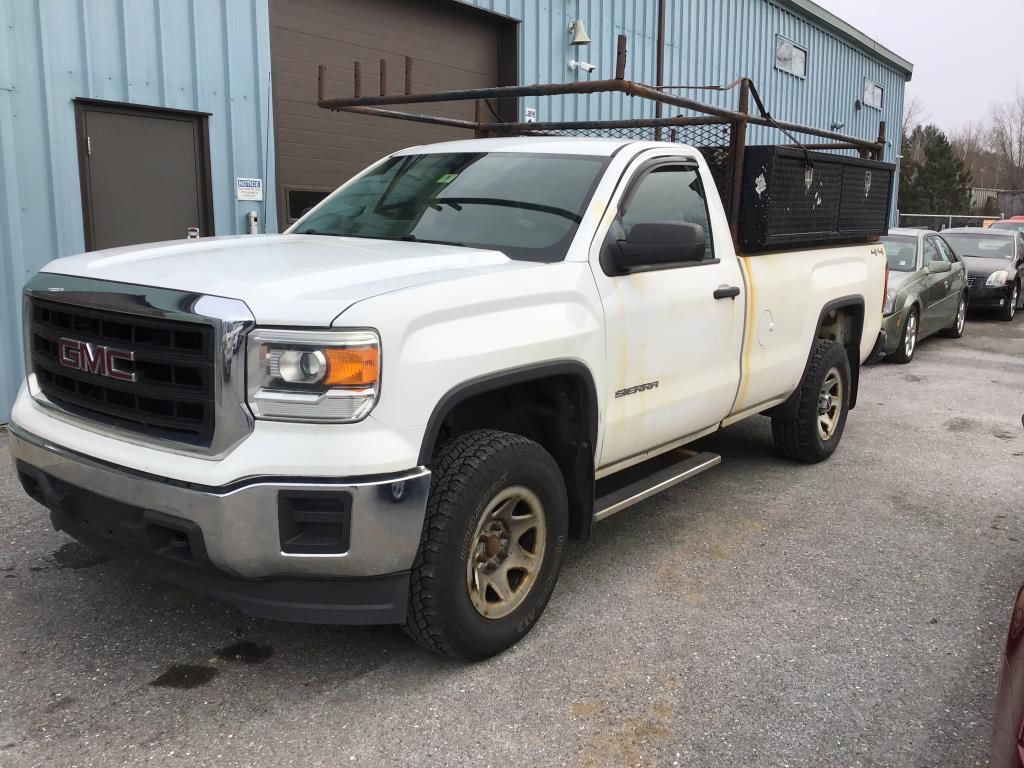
448, 178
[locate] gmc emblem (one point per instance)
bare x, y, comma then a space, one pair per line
95, 358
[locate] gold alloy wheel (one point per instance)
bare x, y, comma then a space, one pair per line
507, 552
830, 403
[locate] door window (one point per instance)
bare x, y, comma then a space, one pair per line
946, 251
931, 253
669, 194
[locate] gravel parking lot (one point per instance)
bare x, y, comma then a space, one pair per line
765, 613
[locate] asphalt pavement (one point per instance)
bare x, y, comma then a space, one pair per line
764, 613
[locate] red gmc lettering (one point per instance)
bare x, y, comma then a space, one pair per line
95, 359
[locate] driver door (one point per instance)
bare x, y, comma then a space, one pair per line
672, 347
936, 287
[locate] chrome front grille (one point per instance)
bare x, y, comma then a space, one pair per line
970, 282
179, 378
171, 395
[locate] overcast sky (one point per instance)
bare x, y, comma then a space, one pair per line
966, 54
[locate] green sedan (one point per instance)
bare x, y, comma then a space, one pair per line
926, 294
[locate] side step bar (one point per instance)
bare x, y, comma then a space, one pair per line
662, 478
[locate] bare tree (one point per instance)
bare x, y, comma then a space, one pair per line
1006, 140
971, 146
913, 114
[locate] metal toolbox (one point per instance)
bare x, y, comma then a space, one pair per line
792, 197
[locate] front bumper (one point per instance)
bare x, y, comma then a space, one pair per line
984, 296
892, 327
238, 542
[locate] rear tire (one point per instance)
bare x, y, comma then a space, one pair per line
956, 330
493, 539
1008, 311
821, 410
908, 339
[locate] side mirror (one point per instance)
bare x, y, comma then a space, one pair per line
939, 266
659, 243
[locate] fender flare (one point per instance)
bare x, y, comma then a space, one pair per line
580, 477
787, 409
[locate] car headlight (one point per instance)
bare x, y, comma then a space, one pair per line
321, 376
999, 277
890, 301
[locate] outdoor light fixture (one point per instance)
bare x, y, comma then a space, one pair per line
586, 66
578, 33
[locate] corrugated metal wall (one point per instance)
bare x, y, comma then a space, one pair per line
708, 42
202, 55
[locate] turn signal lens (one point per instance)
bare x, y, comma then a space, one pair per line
352, 366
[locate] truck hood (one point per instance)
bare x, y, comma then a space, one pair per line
286, 279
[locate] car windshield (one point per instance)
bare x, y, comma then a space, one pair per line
901, 251
526, 205
981, 246
1016, 226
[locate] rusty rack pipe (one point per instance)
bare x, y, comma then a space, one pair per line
665, 122
594, 86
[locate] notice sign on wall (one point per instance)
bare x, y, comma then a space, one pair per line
248, 189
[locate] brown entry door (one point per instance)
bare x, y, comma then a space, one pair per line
144, 174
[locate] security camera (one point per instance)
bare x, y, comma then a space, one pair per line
586, 66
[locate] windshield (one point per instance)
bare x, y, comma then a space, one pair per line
1016, 226
525, 205
901, 251
981, 246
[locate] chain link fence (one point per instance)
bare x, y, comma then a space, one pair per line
941, 221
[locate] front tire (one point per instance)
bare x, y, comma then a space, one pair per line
908, 339
1009, 310
492, 545
815, 433
956, 330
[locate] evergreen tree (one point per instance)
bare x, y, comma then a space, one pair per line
933, 178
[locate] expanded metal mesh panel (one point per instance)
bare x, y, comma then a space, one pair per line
865, 202
711, 140
791, 197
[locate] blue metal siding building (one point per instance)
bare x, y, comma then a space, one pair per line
213, 56
713, 42
200, 55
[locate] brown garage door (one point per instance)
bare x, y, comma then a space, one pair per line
452, 46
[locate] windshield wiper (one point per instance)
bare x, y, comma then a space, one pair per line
414, 239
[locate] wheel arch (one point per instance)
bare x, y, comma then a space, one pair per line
555, 404
841, 320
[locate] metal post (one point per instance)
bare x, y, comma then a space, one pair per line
738, 151
880, 152
321, 82
620, 58
481, 132
383, 77
660, 64
357, 79
408, 75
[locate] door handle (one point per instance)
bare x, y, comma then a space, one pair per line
727, 292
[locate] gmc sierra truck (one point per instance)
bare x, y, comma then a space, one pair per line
401, 409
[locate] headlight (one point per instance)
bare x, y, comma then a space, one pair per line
324, 376
890, 301
998, 277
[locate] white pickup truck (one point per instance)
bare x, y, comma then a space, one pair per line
401, 409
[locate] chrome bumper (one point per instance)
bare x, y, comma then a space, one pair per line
240, 523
